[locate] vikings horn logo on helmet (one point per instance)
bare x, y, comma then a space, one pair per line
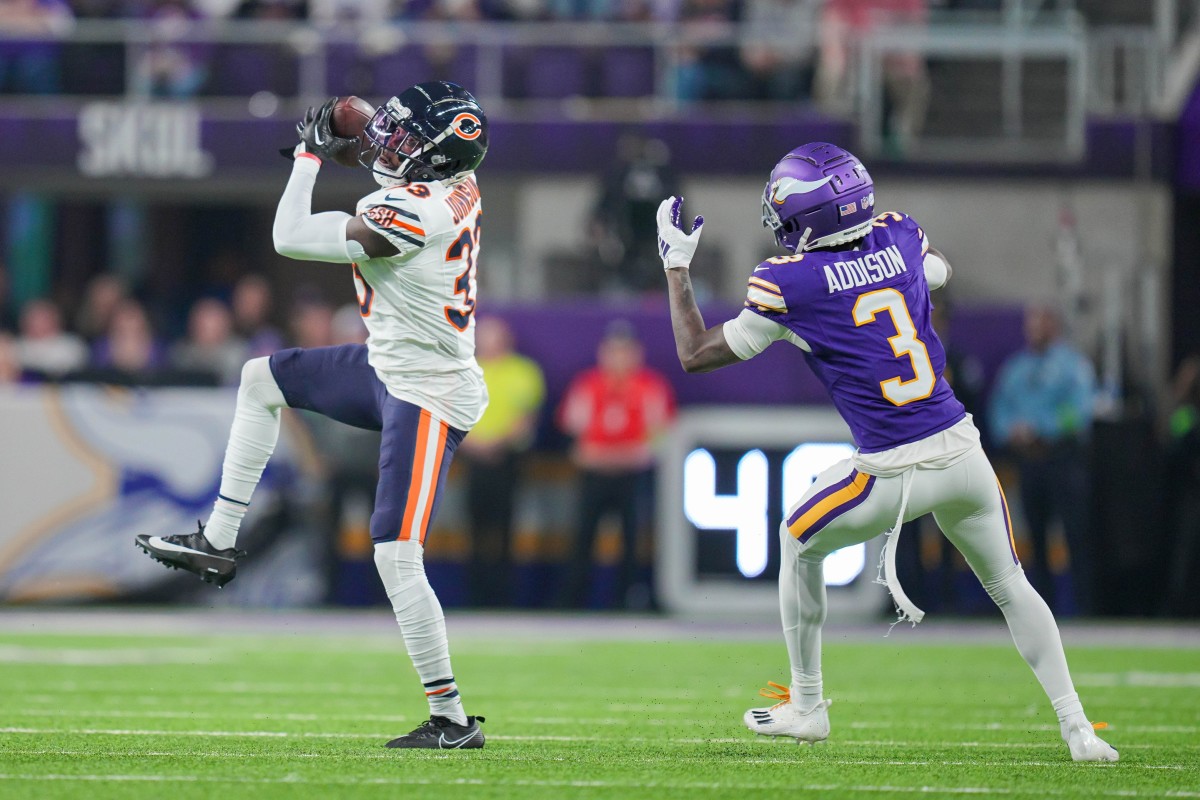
786, 187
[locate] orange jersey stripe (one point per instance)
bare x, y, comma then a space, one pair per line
397, 223
414, 484
443, 429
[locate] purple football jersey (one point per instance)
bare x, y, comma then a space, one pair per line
865, 314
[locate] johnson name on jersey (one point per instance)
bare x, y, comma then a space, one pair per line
863, 318
418, 305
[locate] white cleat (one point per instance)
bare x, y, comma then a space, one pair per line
785, 718
1087, 746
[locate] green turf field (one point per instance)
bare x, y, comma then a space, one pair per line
296, 714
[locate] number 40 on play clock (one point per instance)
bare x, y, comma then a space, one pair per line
746, 513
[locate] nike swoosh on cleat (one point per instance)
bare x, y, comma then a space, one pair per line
453, 744
163, 544
790, 186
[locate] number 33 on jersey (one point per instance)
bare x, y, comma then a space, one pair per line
419, 304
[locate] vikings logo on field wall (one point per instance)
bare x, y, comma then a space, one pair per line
97, 467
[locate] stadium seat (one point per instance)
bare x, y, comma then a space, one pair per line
349, 71
627, 72
458, 65
393, 72
555, 72
240, 69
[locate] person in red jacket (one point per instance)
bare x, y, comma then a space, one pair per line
614, 411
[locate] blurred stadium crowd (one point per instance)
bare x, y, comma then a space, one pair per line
112, 336
782, 58
194, 324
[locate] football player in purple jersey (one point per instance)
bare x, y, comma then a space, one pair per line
852, 293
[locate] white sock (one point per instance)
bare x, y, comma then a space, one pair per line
401, 566
251, 442
1036, 635
1070, 714
802, 608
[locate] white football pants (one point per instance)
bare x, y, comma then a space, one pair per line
844, 507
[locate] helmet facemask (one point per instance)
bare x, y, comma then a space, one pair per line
785, 230
390, 136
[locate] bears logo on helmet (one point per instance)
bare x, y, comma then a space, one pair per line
433, 131
467, 126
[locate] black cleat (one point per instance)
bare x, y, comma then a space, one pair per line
193, 553
439, 733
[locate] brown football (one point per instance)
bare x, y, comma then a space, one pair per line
350, 117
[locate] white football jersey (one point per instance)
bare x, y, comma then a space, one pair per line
419, 304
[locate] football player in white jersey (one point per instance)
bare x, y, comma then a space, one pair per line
411, 247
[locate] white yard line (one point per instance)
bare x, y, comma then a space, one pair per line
545, 738
574, 721
1017, 726
825, 759
108, 656
1140, 679
152, 714
590, 784
477, 629
147, 683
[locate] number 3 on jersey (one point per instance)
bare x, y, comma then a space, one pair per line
466, 246
905, 343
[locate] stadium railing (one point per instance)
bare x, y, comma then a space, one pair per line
997, 82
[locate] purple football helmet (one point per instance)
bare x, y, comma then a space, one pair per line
818, 195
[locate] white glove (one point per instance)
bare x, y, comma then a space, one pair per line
674, 246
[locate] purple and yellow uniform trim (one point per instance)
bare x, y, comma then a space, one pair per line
828, 504
1012, 544
765, 295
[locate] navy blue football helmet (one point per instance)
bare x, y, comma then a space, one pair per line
436, 130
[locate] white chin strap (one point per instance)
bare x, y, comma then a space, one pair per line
849, 235
382, 176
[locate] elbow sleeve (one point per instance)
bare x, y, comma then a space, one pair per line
300, 234
319, 237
